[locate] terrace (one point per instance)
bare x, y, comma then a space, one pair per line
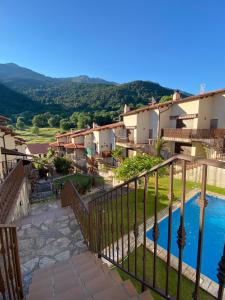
188, 135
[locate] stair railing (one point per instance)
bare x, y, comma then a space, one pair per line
10, 274
115, 225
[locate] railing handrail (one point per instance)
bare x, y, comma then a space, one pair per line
188, 158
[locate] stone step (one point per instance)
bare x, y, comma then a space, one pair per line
83, 277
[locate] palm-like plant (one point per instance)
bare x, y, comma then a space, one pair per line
160, 145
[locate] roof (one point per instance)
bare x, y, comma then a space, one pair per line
99, 128
56, 144
164, 104
74, 146
109, 126
3, 118
69, 133
38, 148
6, 130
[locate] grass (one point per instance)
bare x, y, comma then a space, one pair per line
81, 181
45, 135
187, 287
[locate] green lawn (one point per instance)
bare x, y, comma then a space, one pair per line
187, 286
45, 135
81, 181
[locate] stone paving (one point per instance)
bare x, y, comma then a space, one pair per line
48, 235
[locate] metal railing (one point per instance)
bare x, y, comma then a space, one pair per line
116, 222
9, 189
70, 196
10, 274
185, 133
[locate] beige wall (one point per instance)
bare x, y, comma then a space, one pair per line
78, 140
21, 203
143, 127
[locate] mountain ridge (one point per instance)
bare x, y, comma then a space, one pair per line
33, 93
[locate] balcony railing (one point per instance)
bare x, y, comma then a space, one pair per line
10, 274
184, 133
115, 224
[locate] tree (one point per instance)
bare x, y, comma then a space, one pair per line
35, 130
74, 118
117, 154
65, 125
62, 165
165, 99
83, 121
20, 123
53, 121
133, 166
40, 120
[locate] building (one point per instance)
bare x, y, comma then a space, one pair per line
88, 145
193, 125
38, 150
12, 148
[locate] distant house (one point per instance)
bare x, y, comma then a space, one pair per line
38, 150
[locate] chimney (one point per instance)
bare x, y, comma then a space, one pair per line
126, 108
176, 95
94, 125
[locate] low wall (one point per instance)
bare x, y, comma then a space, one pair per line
215, 176
21, 204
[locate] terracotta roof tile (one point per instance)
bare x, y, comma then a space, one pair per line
38, 148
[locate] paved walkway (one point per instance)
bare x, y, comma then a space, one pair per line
48, 235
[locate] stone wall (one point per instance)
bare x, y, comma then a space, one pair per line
21, 204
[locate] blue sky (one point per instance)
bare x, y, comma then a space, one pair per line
179, 44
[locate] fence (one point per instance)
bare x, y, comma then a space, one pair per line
10, 275
115, 224
9, 189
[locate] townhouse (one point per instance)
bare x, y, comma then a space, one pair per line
89, 144
12, 148
189, 126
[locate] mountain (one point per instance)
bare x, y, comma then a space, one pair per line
27, 91
12, 102
14, 75
11, 72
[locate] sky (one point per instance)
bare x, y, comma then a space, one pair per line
179, 44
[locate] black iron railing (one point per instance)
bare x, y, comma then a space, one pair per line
115, 224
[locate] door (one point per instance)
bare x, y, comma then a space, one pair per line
213, 123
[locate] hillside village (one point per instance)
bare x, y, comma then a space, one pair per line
60, 182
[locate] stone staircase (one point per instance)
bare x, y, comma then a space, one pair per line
82, 277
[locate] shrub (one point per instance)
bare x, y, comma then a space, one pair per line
133, 166
62, 165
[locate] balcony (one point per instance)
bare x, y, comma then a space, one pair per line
180, 134
127, 142
103, 154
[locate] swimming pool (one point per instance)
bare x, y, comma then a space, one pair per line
214, 234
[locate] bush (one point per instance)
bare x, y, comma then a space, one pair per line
35, 130
133, 166
62, 165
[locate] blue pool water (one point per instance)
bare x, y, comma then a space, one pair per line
214, 234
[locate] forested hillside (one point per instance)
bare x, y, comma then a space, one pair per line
27, 93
